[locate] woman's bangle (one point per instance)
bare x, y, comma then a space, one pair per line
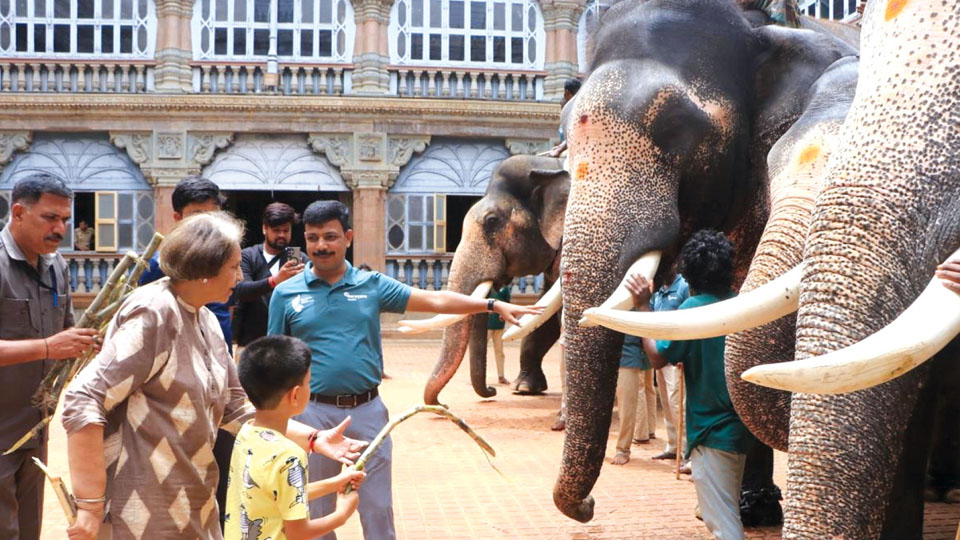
100, 499
312, 438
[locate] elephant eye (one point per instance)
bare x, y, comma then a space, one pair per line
491, 221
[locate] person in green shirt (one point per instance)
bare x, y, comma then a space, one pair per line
717, 441
495, 326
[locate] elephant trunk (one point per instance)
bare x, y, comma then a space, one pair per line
478, 357
452, 350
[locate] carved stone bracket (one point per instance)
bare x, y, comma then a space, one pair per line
402, 148
11, 141
530, 147
170, 145
137, 144
337, 147
204, 144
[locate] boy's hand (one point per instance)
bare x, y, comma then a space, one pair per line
332, 443
351, 477
347, 504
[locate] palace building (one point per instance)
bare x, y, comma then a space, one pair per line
399, 108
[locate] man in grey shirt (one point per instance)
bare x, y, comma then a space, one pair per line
36, 316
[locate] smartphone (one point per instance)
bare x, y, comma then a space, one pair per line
293, 252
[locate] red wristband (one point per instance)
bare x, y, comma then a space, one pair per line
272, 281
312, 439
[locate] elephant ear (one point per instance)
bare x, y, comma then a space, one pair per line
549, 202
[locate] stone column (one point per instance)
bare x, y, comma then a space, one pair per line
173, 48
371, 55
560, 21
369, 207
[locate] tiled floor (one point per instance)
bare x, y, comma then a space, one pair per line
444, 489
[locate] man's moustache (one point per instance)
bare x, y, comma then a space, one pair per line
322, 253
54, 236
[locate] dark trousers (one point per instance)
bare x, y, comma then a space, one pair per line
222, 450
21, 493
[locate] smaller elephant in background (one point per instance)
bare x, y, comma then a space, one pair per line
514, 230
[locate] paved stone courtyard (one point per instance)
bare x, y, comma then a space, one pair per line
444, 489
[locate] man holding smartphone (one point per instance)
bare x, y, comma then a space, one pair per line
264, 267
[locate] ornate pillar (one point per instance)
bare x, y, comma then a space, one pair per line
174, 51
560, 22
371, 55
369, 163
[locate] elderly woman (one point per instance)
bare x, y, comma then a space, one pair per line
141, 418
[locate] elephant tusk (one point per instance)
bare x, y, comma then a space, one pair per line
760, 306
419, 326
621, 299
552, 301
911, 339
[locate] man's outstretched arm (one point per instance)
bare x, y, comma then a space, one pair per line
459, 304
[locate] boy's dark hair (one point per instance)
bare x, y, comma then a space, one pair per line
572, 85
279, 213
29, 189
706, 262
194, 189
320, 212
270, 366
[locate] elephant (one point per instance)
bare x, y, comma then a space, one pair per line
514, 230
698, 98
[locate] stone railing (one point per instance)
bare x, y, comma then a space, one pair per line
840, 10
466, 83
432, 271
89, 270
292, 79
37, 75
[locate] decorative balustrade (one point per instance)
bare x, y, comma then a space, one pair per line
89, 270
841, 10
466, 84
29, 75
293, 79
432, 272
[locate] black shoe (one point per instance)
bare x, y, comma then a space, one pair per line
761, 507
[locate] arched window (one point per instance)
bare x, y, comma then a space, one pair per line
291, 30
588, 23
505, 34
78, 28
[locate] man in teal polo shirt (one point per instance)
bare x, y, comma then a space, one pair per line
717, 441
335, 309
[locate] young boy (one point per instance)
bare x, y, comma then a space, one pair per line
267, 490
717, 441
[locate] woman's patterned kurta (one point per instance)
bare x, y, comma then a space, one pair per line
161, 386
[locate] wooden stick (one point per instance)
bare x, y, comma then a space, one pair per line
680, 446
63, 494
435, 409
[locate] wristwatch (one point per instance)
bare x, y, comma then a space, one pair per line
490, 305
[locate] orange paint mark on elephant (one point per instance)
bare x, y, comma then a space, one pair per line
808, 155
894, 7
582, 170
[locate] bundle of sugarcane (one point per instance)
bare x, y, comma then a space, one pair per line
435, 409
98, 315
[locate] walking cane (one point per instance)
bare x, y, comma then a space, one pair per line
680, 445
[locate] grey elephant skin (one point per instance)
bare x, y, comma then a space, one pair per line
514, 230
670, 133
888, 212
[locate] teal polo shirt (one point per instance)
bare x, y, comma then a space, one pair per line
340, 324
670, 298
711, 419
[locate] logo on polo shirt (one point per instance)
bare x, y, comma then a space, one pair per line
354, 297
300, 301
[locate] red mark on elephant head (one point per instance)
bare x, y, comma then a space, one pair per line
582, 170
583, 119
894, 7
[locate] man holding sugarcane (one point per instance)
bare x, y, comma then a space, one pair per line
36, 316
335, 309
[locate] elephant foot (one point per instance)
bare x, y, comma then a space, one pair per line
530, 383
761, 507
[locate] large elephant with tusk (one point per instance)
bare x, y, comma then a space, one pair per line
868, 310
671, 133
514, 230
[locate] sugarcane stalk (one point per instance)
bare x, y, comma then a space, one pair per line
29, 435
106, 289
377, 441
66, 499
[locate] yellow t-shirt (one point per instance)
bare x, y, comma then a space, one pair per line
267, 485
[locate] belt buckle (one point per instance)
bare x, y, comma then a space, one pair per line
345, 405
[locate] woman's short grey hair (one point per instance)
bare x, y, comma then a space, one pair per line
200, 245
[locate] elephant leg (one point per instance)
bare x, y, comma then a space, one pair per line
531, 380
759, 496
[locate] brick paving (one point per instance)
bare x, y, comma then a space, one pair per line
444, 489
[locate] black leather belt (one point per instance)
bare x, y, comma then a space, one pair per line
347, 401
